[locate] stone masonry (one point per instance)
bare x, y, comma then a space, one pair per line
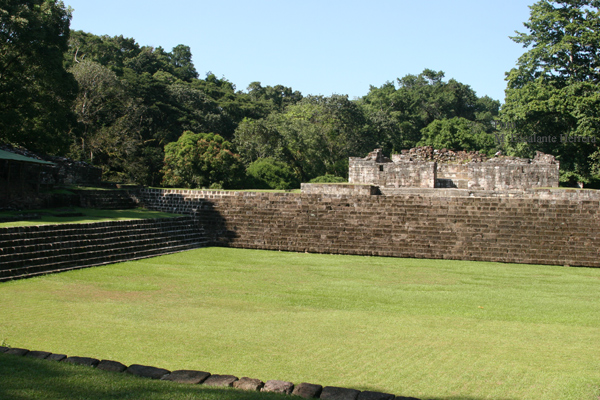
531, 228
425, 167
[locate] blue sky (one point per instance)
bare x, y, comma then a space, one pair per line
324, 47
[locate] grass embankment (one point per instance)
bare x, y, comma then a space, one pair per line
63, 216
60, 381
432, 329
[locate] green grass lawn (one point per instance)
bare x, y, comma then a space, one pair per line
25, 378
52, 216
432, 329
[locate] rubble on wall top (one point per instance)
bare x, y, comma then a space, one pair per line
428, 153
377, 156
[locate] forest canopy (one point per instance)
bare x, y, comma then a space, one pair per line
146, 116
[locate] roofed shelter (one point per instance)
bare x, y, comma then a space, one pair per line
19, 175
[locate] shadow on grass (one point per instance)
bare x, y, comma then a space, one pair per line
399, 396
28, 379
465, 398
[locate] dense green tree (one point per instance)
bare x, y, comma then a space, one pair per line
181, 60
111, 52
256, 139
314, 136
36, 91
398, 116
268, 173
554, 90
109, 133
199, 160
277, 97
458, 134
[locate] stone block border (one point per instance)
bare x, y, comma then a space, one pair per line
305, 390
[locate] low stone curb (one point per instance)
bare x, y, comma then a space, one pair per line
38, 354
275, 386
146, 371
338, 393
90, 362
249, 384
187, 376
305, 390
220, 380
112, 366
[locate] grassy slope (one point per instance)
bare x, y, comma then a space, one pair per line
427, 328
49, 380
89, 215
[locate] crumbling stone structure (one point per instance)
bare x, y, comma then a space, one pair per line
425, 167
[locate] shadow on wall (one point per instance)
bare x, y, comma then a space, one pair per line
208, 218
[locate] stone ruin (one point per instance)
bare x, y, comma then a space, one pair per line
424, 167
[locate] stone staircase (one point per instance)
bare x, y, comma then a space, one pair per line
35, 250
106, 199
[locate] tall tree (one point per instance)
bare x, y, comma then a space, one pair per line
554, 91
109, 119
315, 136
36, 91
202, 160
398, 116
181, 60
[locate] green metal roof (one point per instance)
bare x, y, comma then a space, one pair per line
7, 155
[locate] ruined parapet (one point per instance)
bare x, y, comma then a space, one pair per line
376, 169
425, 167
442, 156
339, 189
508, 173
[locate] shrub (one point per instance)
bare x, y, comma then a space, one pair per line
268, 173
328, 179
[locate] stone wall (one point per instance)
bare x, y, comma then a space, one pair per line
425, 167
385, 173
517, 230
337, 189
452, 176
507, 174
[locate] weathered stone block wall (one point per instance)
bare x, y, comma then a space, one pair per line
505, 176
425, 167
517, 230
392, 174
337, 189
452, 176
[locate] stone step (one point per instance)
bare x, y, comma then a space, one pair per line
49, 233
25, 272
76, 248
29, 251
72, 241
36, 259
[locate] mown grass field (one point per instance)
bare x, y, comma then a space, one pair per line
432, 329
88, 215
